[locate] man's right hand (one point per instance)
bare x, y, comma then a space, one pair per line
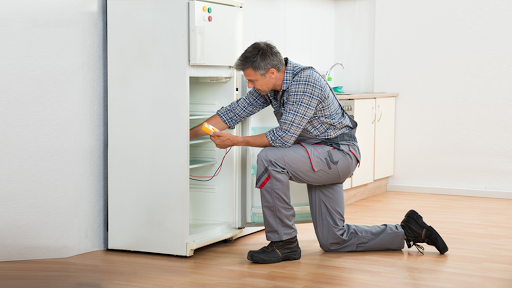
215, 121
224, 140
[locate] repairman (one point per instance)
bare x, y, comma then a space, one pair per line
315, 144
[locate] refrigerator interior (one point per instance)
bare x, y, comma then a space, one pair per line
212, 203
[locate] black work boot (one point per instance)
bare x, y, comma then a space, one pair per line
417, 231
276, 251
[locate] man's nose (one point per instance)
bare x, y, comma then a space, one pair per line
249, 85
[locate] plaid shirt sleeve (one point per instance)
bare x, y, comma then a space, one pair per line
300, 101
243, 107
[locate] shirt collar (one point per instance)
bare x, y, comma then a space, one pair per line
288, 73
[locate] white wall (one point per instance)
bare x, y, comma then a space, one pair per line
53, 113
354, 44
52, 127
301, 29
451, 62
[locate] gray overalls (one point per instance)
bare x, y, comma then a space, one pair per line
324, 169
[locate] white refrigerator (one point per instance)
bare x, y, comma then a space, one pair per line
169, 69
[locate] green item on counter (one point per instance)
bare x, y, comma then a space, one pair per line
338, 89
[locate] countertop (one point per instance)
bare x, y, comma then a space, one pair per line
365, 95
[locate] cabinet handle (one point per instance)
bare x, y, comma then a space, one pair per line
380, 110
374, 114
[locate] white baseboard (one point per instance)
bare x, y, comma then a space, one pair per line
451, 191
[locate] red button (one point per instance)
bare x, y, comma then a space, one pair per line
210, 18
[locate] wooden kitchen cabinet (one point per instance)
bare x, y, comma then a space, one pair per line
364, 114
376, 134
384, 138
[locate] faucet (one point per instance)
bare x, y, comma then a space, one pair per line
329, 72
338, 89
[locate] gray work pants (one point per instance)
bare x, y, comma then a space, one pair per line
324, 169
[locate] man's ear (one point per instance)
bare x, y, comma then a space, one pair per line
271, 74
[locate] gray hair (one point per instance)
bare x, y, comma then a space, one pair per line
261, 57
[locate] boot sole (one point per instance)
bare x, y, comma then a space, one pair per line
288, 257
441, 247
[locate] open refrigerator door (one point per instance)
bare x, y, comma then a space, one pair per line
215, 39
251, 213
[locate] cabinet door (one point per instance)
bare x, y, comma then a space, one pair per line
364, 114
385, 137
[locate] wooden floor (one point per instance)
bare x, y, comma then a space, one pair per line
478, 232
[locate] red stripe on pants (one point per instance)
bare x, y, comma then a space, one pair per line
264, 182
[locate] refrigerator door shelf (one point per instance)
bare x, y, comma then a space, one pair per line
302, 213
253, 153
260, 129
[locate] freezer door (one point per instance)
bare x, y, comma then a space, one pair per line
250, 211
215, 31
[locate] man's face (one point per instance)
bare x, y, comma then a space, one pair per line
261, 83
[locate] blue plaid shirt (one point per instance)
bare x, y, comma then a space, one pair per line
307, 104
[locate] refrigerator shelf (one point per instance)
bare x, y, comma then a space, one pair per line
201, 163
200, 140
202, 228
199, 116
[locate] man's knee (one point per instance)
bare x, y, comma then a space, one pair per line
334, 241
325, 245
267, 154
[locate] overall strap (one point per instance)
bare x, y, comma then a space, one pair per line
344, 137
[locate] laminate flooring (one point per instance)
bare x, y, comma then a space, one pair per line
478, 232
